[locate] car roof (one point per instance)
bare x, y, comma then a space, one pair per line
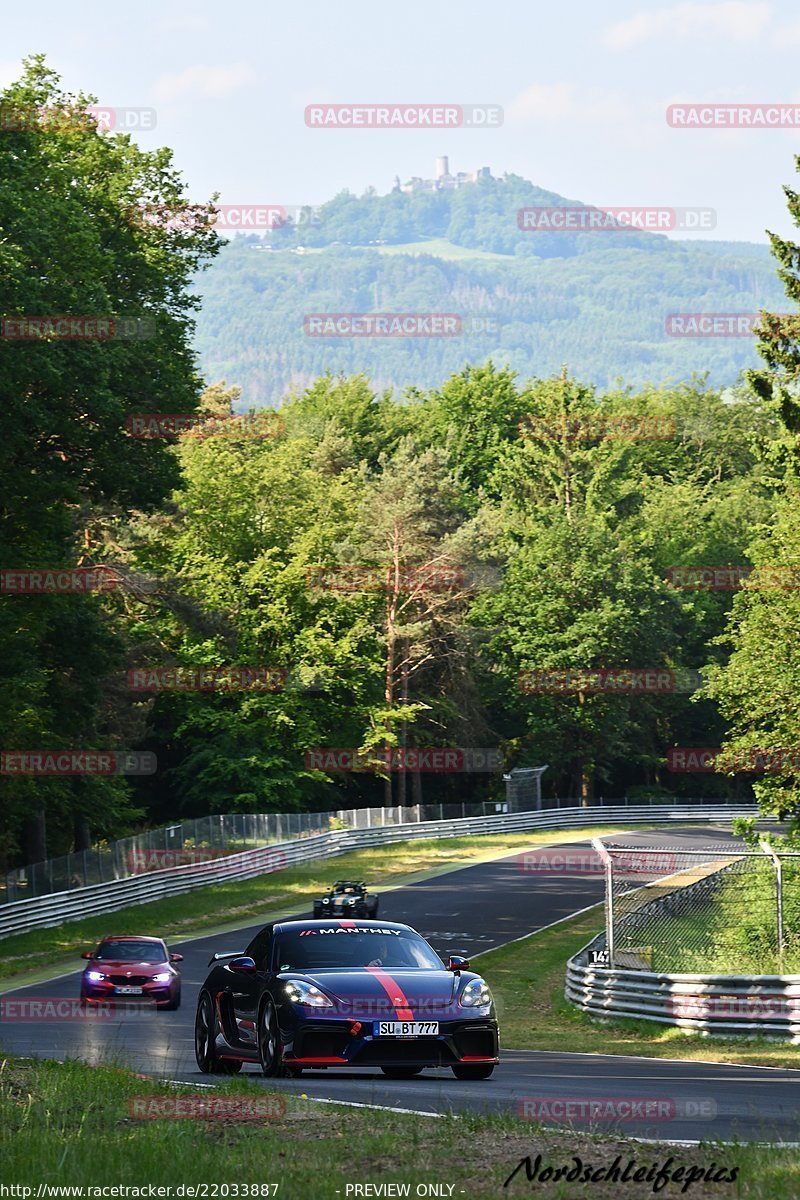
130, 937
333, 922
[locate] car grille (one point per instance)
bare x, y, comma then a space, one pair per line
386, 1051
133, 980
322, 1044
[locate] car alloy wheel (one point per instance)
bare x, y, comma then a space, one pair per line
268, 1041
205, 1036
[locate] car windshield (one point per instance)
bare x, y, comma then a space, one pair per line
151, 952
343, 949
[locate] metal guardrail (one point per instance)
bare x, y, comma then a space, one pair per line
717, 1005
223, 834
45, 911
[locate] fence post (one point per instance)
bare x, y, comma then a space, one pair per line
608, 864
776, 862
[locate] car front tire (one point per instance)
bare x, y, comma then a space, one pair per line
476, 1072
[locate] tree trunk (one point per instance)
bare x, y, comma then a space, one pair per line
36, 838
83, 835
402, 777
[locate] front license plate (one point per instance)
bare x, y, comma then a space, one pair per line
406, 1029
128, 991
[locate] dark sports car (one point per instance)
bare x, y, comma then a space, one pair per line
129, 968
318, 994
347, 898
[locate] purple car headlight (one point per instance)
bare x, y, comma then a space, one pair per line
301, 992
476, 994
95, 976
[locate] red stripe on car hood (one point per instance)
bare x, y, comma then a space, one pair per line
347, 924
395, 993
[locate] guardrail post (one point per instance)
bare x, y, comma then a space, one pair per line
776, 862
608, 865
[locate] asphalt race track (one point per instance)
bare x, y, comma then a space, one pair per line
474, 909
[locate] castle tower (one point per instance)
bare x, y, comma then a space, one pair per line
442, 166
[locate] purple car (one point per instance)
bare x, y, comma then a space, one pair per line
132, 968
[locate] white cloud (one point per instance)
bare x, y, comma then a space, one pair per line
787, 37
202, 81
734, 20
552, 102
543, 100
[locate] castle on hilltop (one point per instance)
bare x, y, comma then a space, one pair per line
444, 181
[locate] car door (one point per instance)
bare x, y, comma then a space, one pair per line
246, 990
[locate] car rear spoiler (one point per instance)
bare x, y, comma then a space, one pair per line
227, 954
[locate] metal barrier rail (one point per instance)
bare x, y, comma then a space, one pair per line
717, 1005
45, 911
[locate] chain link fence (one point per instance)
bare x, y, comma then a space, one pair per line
715, 910
215, 836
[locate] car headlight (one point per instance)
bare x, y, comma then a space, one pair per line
351, 901
326, 900
476, 994
164, 977
300, 992
95, 976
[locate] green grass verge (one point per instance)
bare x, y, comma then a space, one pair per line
71, 1125
735, 933
220, 907
527, 979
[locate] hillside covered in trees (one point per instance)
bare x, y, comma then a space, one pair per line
530, 300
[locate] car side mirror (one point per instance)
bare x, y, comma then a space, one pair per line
242, 966
176, 958
87, 954
456, 963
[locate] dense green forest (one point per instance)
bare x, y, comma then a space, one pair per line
392, 568
596, 300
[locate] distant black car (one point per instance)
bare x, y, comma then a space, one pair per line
319, 994
347, 898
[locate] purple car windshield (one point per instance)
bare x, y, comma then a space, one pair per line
345, 948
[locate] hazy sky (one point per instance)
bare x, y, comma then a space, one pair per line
584, 87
